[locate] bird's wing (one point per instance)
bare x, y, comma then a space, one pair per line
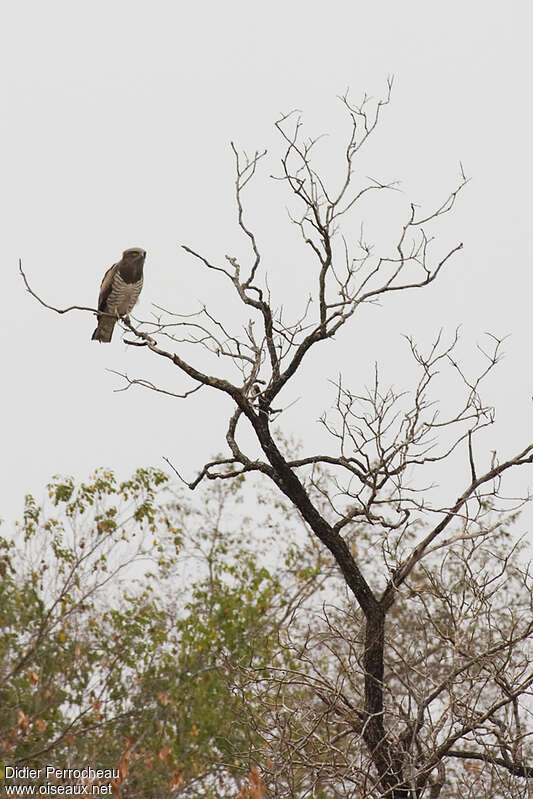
106, 285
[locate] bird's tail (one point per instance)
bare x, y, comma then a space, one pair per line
104, 329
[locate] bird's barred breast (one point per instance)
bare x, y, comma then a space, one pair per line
123, 296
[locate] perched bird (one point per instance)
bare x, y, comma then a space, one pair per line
119, 291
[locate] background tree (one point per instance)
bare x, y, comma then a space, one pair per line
386, 448
121, 606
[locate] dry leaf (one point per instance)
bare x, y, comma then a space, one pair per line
254, 787
23, 721
177, 780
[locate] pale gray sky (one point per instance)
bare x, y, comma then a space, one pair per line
115, 129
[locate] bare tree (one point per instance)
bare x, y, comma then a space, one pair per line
456, 684
373, 479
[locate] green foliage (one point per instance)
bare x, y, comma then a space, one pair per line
124, 613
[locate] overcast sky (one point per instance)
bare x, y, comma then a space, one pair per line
116, 122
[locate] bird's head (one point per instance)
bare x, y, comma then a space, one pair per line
134, 254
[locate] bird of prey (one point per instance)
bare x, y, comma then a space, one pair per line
119, 291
